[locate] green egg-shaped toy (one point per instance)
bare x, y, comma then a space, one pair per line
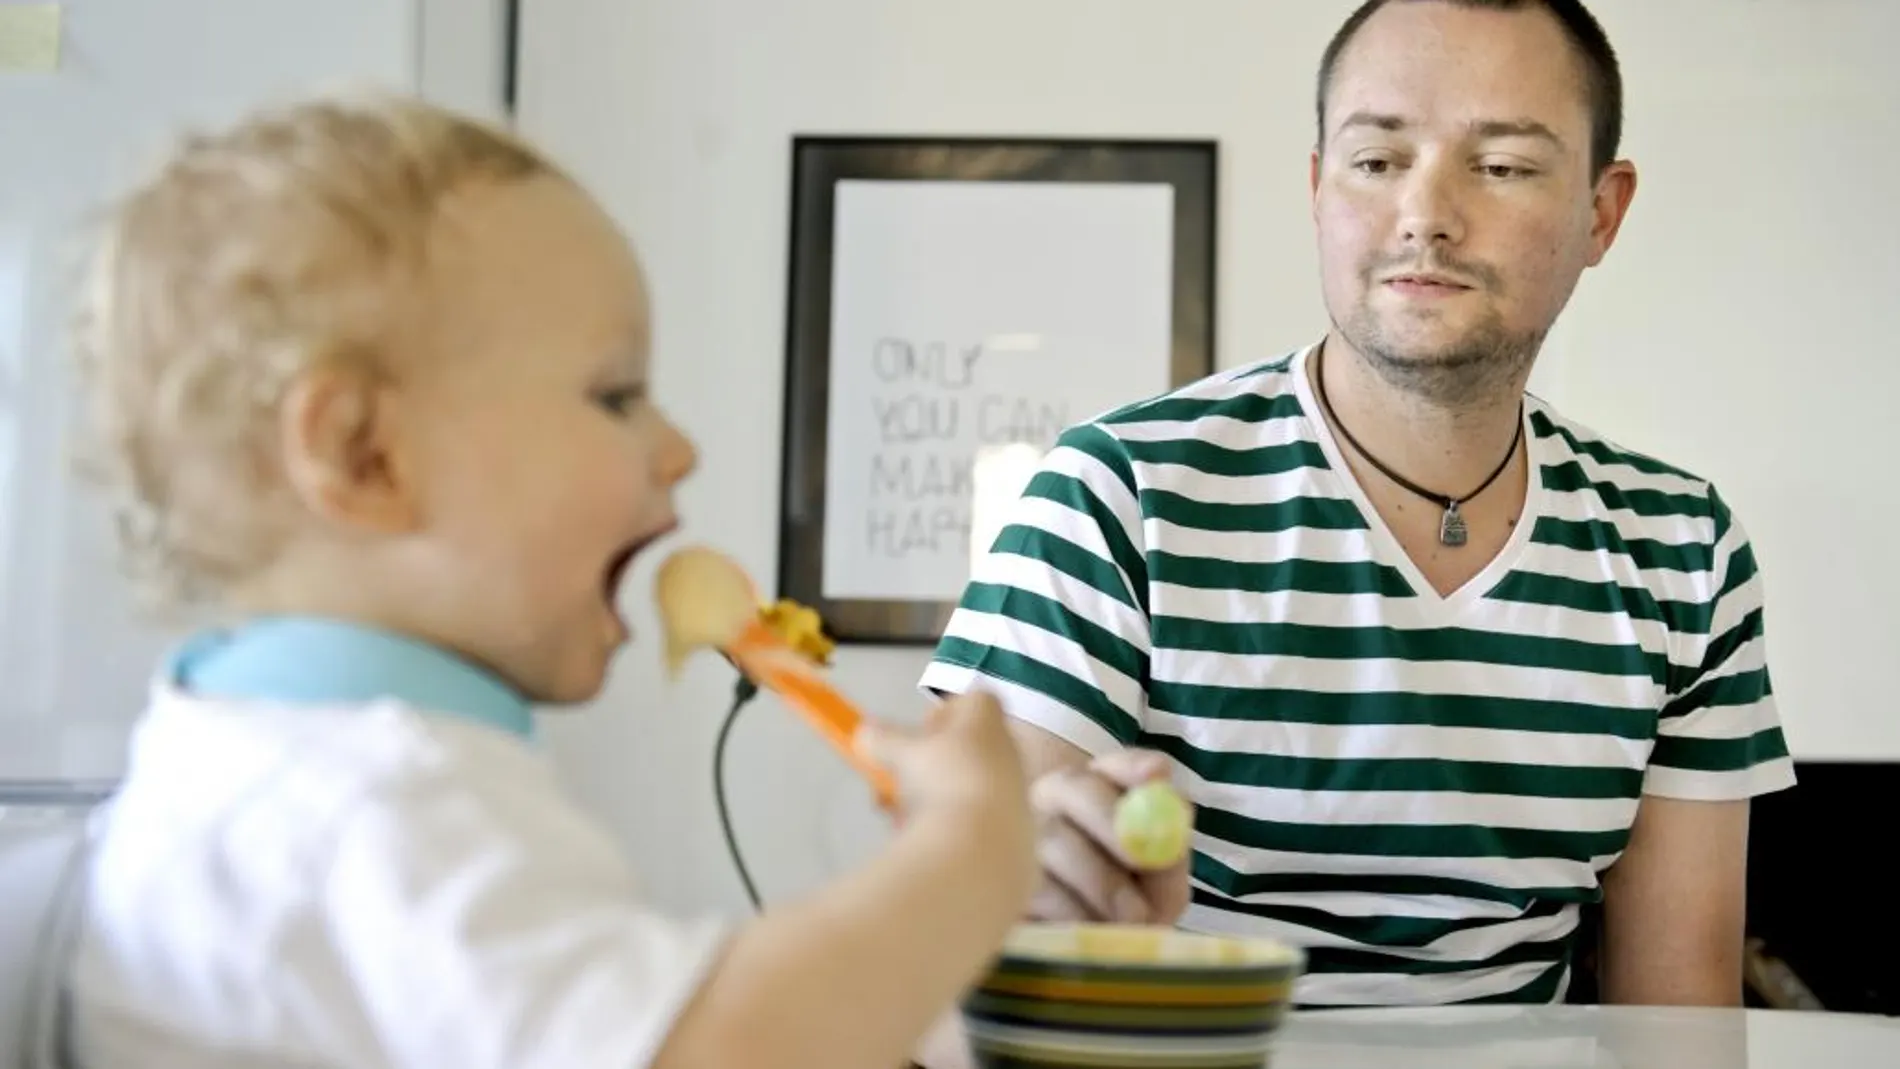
1153, 824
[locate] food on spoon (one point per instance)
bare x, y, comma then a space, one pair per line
1153, 824
801, 629
705, 600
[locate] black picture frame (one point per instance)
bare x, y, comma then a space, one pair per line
1191, 167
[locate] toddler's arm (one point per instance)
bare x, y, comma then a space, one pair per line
854, 977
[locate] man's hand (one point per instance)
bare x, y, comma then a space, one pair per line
1085, 874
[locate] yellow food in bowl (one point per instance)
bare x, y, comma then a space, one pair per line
1143, 945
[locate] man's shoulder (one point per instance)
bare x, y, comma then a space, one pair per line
1221, 411
1584, 441
1640, 490
1250, 393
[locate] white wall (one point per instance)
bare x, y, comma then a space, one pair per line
74, 658
1743, 328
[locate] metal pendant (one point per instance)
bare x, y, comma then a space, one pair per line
1451, 530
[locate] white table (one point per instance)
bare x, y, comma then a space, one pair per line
1585, 1037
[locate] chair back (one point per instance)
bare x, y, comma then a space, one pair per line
42, 892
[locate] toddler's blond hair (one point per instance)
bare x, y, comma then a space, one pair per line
251, 256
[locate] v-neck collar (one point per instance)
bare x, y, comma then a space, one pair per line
1385, 543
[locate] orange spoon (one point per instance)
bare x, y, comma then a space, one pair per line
706, 601
768, 660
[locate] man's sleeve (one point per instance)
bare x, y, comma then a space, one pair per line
1054, 621
1720, 737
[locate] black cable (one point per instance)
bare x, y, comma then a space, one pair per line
510, 54
742, 693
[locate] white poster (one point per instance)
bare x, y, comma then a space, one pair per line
971, 323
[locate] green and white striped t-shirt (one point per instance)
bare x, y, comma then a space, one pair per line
1420, 790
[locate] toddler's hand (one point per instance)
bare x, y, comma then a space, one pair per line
962, 764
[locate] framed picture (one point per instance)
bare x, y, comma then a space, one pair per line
953, 305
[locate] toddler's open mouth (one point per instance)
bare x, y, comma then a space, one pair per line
617, 567
616, 571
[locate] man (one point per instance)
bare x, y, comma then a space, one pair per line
1437, 666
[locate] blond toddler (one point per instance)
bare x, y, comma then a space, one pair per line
370, 384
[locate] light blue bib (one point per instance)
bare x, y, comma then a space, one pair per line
311, 661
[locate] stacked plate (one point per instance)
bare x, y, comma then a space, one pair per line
1093, 996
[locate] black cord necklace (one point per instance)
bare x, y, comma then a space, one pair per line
1451, 528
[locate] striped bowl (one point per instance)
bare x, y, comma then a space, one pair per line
1100, 996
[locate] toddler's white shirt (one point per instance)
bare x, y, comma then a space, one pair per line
364, 886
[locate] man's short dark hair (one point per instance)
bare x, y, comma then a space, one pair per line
1603, 80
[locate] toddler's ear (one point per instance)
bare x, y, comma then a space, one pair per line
336, 434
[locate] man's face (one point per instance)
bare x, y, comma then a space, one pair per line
1453, 193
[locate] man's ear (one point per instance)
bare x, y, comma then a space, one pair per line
1609, 206
339, 436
